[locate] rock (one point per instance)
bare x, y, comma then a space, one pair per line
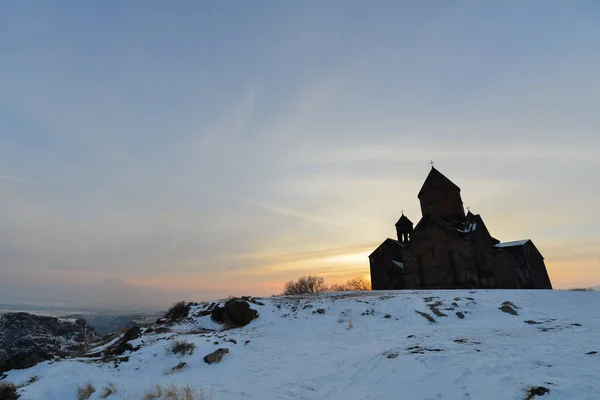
216, 356
591, 353
319, 311
27, 339
235, 312
460, 315
508, 309
178, 311
122, 345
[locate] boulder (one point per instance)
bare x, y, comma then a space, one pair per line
507, 308
216, 356
235, 312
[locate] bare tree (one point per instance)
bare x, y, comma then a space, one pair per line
354, 284
358, 284
338, 287
305, 284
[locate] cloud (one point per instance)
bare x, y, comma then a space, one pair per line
20, 181
297, 214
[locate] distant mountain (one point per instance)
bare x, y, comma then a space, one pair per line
109, 295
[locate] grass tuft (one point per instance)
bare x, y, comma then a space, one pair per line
172, 392
108, 390
8, 391
84, 392
182, 347
176, 368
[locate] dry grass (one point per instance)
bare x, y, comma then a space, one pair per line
108, 390
84, 392
182, 347
176, 368
8, 391
172, 392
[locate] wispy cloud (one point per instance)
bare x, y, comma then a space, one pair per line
13, 179
297, 214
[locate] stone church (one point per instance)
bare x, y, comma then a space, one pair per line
450, 250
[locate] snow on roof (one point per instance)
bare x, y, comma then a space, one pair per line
398, 264
512, 244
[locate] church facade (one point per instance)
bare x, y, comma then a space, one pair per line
449, 249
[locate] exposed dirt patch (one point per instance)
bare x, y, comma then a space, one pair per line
434, 307
421, 350
536, 391
426, 316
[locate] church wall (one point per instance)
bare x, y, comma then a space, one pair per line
383, 276
537, 267
437, 259
504, 268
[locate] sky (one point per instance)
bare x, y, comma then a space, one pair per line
221, 148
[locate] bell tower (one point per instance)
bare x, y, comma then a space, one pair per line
441, 197
404, 229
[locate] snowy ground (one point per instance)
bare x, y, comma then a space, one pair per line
371, 345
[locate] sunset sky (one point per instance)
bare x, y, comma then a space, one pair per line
226, 147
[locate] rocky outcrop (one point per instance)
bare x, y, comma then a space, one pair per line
235, 313
122, 345
27, 339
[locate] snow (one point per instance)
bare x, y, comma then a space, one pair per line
363, 347
470, 226
512, 244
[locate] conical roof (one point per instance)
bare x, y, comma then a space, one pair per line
404, 221
437, 181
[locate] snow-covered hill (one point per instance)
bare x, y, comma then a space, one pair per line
369, 345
